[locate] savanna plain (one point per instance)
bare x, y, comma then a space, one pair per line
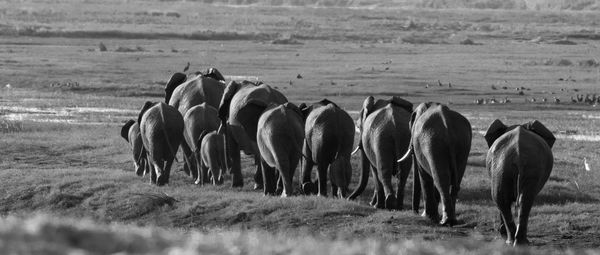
67, 180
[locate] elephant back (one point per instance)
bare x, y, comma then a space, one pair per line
248, 104
196, 91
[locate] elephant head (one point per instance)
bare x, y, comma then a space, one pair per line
497, 129
175, 80
215, 74
230, 90
421, 108
147, 105
307, 109
131, 133
370, 105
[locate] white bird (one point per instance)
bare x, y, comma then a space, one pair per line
586, 164
8, 86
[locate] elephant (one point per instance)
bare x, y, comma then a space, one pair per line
131, 133
197, 120
212, 155
239, 111
439, 148
384, 135
204, 88
519, 163
279, 140
161, 128
329, 132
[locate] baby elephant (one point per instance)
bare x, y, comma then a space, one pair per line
519, 162
212, 155
131, 133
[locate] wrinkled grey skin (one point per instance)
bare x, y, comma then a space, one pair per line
239, 110
519, 162
440, 146
199, 119
212, 156
329, 133
184, 95
279, 139
131, 133
161, 128
384, 136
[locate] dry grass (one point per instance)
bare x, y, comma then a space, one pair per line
84, 170
42, 234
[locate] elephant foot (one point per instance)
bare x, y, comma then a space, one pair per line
279, 191
434, 217
237, 183
197, 181
390, 202
258, 186
448, 222
521, 241
308, 188
502, 231
510, 241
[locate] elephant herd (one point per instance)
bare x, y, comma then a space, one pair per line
212, 122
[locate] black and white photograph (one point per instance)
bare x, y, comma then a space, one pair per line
270, 127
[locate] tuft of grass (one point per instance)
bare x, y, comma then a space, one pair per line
50, 235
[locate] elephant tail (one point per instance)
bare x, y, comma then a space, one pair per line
166, 134
364, 177
451, 152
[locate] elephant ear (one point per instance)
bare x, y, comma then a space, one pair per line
145, 108
249, 114
368, 106
215, 74
125, 129
495, 130
541, 130
305, 109
421, 108
326, 101
247, 82
232, 88
406, 105
175, 80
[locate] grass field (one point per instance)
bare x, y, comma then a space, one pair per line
62, 155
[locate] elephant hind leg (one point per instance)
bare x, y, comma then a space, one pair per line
507, 221
188, 162
308, 187
525, 203
288, 168
385, 177
379, 195
233, 151
442, 184
167, 170
258, 179
269, 178
402, 178
429, 195
322, 177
